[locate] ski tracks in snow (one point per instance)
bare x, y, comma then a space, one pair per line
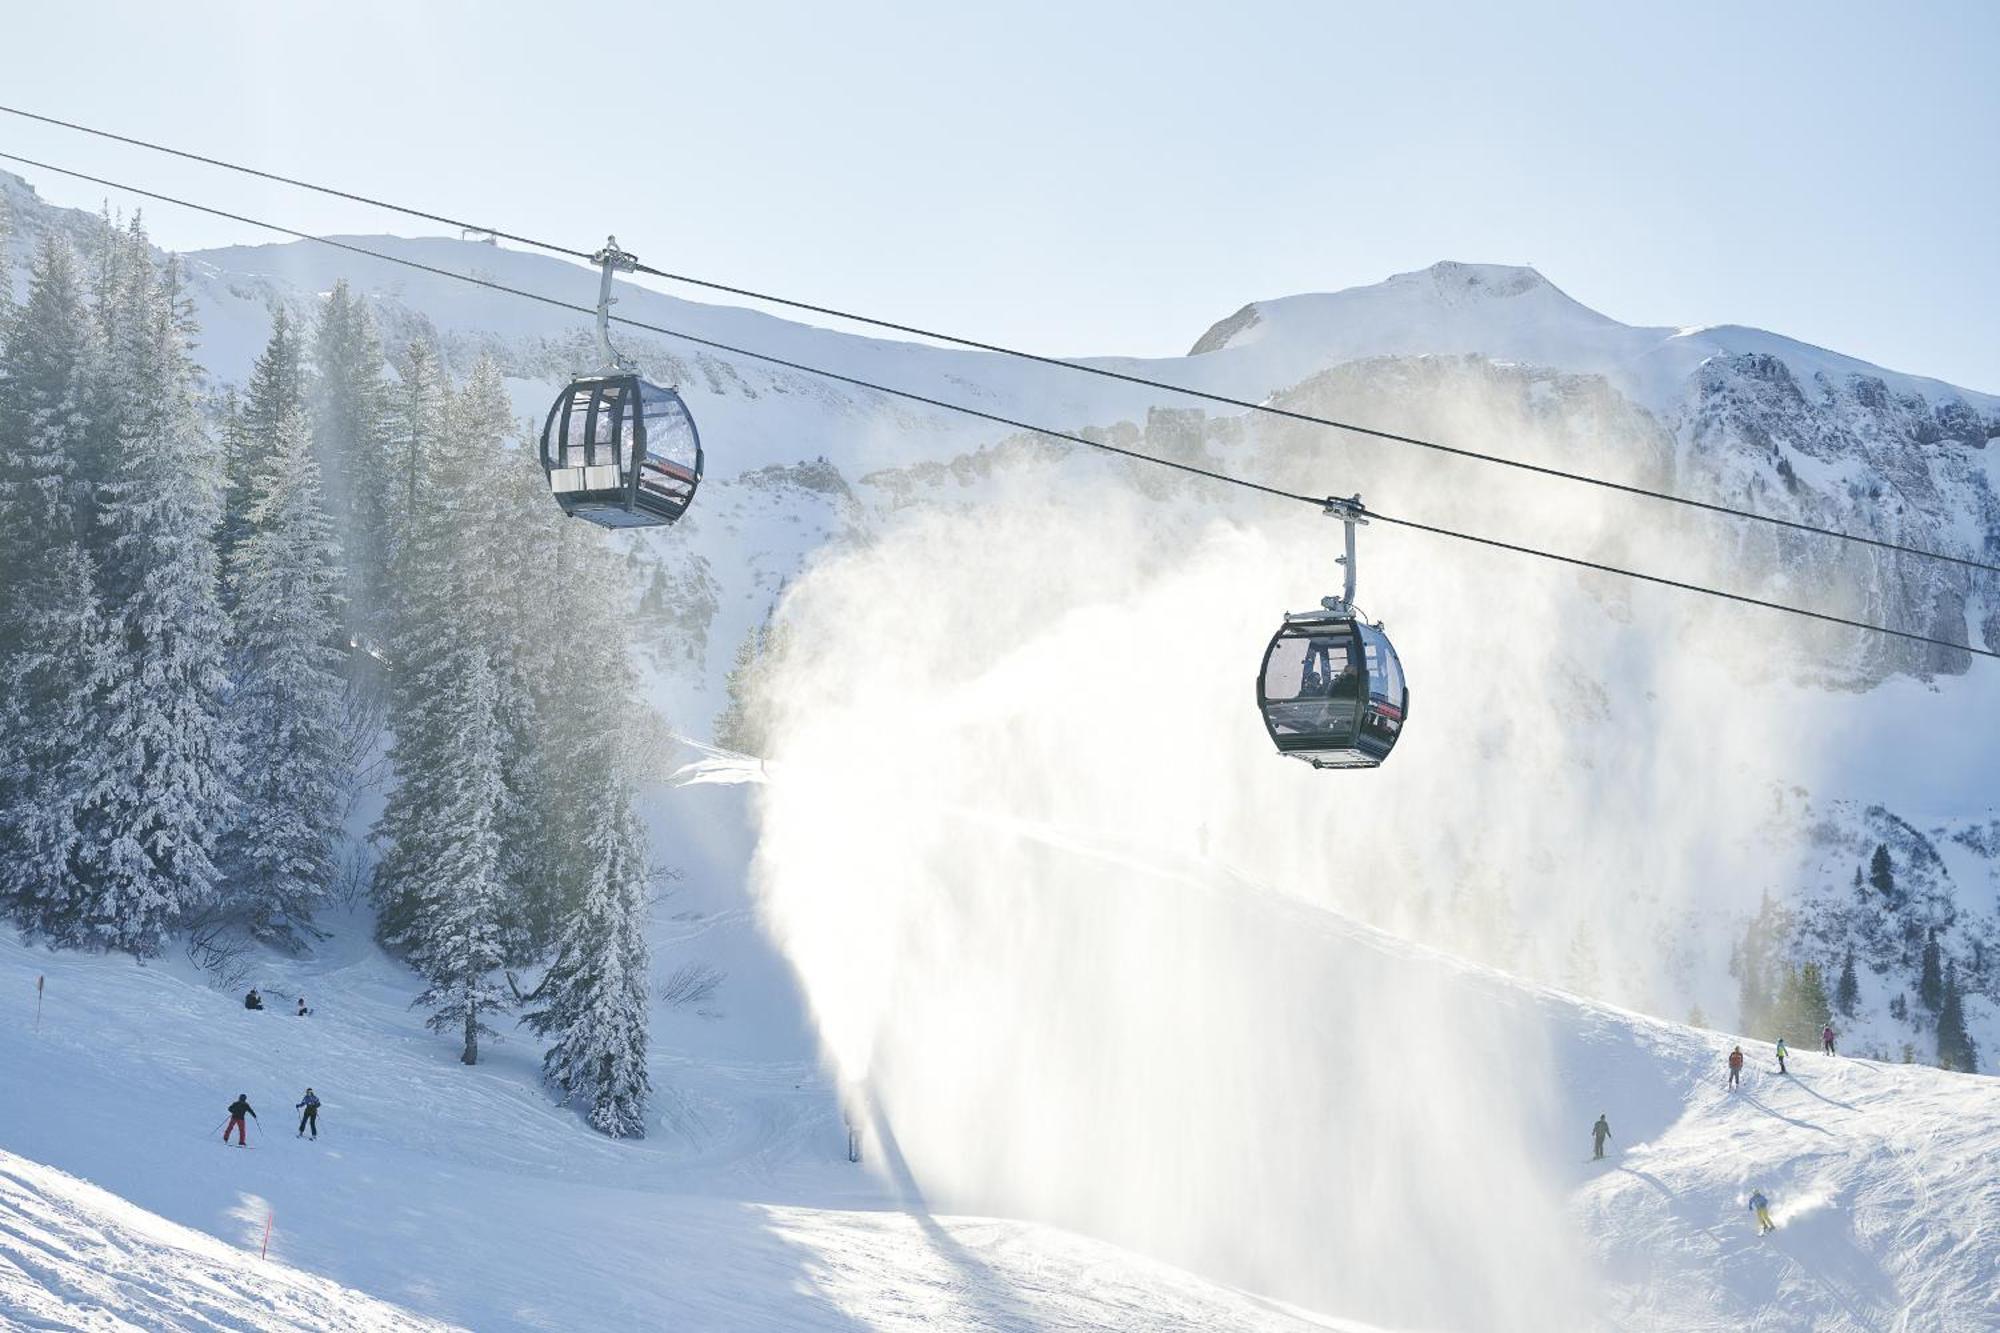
75, 1257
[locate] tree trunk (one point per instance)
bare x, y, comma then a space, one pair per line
471, 1053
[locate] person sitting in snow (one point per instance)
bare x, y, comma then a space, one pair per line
303, 1011
1761, 1207
253, 1000
1826, 1039
1735, 1066
1781, 1055
1599, 1132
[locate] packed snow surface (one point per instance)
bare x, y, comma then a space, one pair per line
73, 1256
463, 1195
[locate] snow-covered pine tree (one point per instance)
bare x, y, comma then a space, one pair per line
286, 708
1930, 982
593, 1000
512, 531
458, 944
55, 652
1810, 1011
438, 887
152, 816
743, 725
277, 390
1882, 874
1847, 992
419, 422
6, 266
1955, 1047
351, 413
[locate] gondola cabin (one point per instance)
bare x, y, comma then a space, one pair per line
621, 451
1332, 691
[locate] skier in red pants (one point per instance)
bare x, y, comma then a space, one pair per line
237, 1110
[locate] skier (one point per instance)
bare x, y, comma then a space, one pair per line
1781, 1055
303, 1011
1826, 1038
1761, 1206
237, 1110
308, 1108
1735, 1066
253, 1000
1599, 1132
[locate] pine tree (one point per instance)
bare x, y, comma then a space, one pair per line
742, 725
6, 268
460, 947
286, 709
1755, 965
1955, 1046
1882, 874
594, 999
277, 391
1847, 993
420, 422
351, 416
1930, 983
438, 888
152, 816
1810, 1011
512, 531
54, 648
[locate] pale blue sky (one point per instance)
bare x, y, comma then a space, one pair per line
1098, 177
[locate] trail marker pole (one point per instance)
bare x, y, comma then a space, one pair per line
39, 981
269, 1217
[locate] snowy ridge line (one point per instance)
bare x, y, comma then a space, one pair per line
947, 405
1037, 358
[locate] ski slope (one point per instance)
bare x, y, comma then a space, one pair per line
73, 1256
462, 1195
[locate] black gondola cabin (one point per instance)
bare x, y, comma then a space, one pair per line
621, 451
1332, 690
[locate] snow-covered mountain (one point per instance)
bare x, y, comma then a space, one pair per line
1492, 357
1023, 877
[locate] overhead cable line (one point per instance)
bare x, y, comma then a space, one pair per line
1318, 502
1102, 372
274, 177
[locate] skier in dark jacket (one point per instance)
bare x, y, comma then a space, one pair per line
1826, 1039
1735, 1066
1599, 1132
308, 1108
253, 1000
1760, 1207
237, 1110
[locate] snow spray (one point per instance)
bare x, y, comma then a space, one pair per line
1061, 914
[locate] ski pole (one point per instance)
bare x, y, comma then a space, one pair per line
265, 1252
38, 1003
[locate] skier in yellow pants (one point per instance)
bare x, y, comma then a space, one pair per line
1761, 1206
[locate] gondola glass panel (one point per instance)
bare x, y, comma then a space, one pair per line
621, 452
1332, 693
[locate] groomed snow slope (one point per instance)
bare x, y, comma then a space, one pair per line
75, 1257
463, 1195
